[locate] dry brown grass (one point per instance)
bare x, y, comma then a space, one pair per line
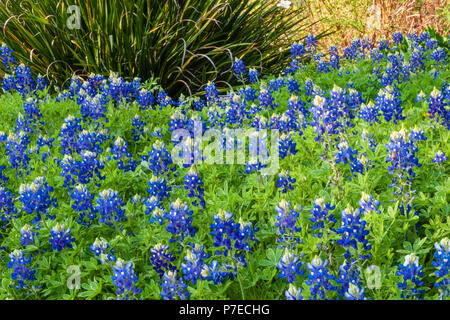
351, 18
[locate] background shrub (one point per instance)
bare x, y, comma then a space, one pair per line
182, 43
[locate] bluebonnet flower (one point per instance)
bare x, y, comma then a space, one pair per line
349, 274
41, 84
287, 122
180, 221
439, 157
437, 107
151, 203
89, 165
195, 260
3, 179
383, 44
83, 205
431, 44
32, 113
16, 148
109, 206
266, 100
354, 292
8, 83
162, 259
159, 158
125, 278
253, 164
369, 204
27, 235
370, 113
68, 166
212, 94
253, 75
442, 264
421, 96
154, 207
295, 104
353, 101
157, 132
293, 293
7, 207
259, 122
411, 273
198, 104
178, 121
244, 234
345, 153
438, 55
367, 138
285, 181
94, 108
194, 183
289, 266
417, 134
402, 158
239, 69
217, 273
24, 80
145, 99
158, 187
334, 57
138, 127
309, 87
353, 231
388, 101
119, 89
319, 279
325, 118
321, 215
91, 141
286, 145
397, 37
393, 69
81, 171
60, 237
100, 247
189, 150
173, 288
417, 59
8, 59
223, 230
124, 158
323, 66
276, 84
286, 221
402, 154
3, 137
226, 232
21, 271
163, 99
297, 51
311, 42
35, 197
43, 141
235, 113
23, 125
249, 94
68, 134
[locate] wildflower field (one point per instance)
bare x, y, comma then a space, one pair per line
107, 190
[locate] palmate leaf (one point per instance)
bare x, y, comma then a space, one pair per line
183, 43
